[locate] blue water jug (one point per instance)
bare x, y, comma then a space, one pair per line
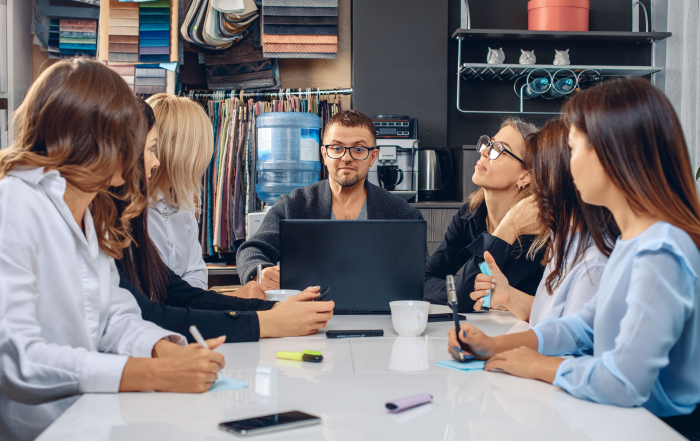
288, 153
561, 87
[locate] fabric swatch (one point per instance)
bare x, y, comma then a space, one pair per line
155, 50
123, 47
300, 48
153, 43
300, 30
123, 13
155, 58
303, 3
476, 365
149, 90
123, 39
331, 56
145, 81
123, 70
309, 39
120, 56
284, 20
151, 73
307, 12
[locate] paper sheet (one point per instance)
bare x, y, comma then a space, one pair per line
227, 383
476, 365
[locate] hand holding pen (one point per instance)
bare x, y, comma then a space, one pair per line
459, 352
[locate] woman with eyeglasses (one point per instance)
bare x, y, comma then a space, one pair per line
501, 218
637, 342
582, 237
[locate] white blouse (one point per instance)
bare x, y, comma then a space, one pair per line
66, 328
579, 285
176, 235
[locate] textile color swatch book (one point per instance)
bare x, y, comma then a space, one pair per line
300, 28
154, 32
123, 31
69, 38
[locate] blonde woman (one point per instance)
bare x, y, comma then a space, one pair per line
185, 148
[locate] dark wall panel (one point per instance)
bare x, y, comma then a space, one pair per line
400, 62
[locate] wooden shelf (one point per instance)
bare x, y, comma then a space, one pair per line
518, 34
512, 71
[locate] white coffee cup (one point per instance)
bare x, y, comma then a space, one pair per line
280, 295
409, 317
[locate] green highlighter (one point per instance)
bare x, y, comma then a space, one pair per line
312, 356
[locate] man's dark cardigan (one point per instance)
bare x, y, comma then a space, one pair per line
311, 202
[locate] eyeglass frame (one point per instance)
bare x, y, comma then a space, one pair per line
490, 144
369, 151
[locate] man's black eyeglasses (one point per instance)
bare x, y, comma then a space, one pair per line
358, 152
495, 148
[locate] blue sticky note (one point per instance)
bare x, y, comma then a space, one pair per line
227, 383
484, 267
476, 365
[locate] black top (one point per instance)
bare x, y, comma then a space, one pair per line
214, 314
314, 201
464, 245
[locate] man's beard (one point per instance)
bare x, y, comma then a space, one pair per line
349, 181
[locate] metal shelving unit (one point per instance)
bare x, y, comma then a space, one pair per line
515, 72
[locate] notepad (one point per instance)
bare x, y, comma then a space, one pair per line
227, 383
476, 365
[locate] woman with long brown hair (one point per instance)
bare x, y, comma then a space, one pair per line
500, 218
638, 340
66, 328
582, 237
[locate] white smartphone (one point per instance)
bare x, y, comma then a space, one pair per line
270, 423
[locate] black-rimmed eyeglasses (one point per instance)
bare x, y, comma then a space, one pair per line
495, 148
358, 152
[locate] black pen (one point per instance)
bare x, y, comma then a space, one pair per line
323, 295
452, 300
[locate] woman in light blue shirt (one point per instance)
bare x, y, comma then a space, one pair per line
638, 340
581, 236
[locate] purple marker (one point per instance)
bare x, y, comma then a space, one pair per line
406, 403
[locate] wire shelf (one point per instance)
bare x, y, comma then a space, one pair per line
511, 72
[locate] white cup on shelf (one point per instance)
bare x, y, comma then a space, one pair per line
409, 317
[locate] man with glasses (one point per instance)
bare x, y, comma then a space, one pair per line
349, 150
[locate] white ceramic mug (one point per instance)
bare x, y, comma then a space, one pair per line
280, 295
409, 317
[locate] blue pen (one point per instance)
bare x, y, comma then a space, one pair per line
484, 267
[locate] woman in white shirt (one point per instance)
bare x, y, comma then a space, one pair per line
66, 328
185, 148
581, 237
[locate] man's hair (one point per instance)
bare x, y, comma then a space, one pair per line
352, 118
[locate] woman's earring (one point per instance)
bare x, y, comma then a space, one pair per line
520, 188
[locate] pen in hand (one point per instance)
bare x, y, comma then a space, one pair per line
198, 337
452, 300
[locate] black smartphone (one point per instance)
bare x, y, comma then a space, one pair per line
270, 423
447, 317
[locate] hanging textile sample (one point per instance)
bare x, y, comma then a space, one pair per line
300, 28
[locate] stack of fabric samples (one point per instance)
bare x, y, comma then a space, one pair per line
54, 38
123, 31
242, 66
149, 79
126, 72
300, 28
71, 38
154, 32
218, 24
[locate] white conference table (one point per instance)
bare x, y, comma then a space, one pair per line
348, 391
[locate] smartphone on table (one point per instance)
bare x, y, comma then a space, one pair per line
270, 423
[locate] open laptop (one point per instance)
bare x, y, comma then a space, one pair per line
367, 264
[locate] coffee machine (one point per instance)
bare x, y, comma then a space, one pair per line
396, 168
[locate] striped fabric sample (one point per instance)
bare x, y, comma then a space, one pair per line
313, 12
301, 48
300, 30
303, 3
75, 37
150, 79
283, 20
299, 55
309, 39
